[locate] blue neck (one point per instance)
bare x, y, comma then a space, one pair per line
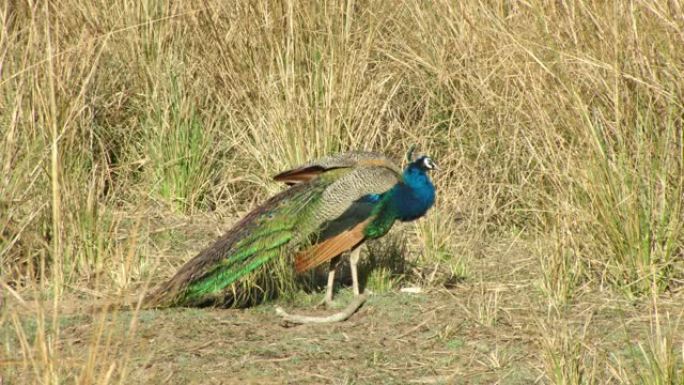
413, 198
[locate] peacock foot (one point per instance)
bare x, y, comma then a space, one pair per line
325, 303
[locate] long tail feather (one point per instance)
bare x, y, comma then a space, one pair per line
255, 240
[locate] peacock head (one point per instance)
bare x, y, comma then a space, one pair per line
424, 163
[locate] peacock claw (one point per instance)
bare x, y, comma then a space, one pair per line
325, 303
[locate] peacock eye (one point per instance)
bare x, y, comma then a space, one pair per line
427, 163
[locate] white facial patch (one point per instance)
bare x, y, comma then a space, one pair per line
428, 163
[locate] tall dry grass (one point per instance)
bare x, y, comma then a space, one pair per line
554, 121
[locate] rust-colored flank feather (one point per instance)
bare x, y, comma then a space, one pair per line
330, 248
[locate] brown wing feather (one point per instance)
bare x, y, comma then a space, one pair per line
349, 159
330, 248
299, 175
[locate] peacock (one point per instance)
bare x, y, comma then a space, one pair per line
332, 206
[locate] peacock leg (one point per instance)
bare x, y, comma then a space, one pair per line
353, 262
328, 300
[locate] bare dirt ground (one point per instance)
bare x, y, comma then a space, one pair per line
495, 327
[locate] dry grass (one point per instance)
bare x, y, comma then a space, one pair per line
558, 126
